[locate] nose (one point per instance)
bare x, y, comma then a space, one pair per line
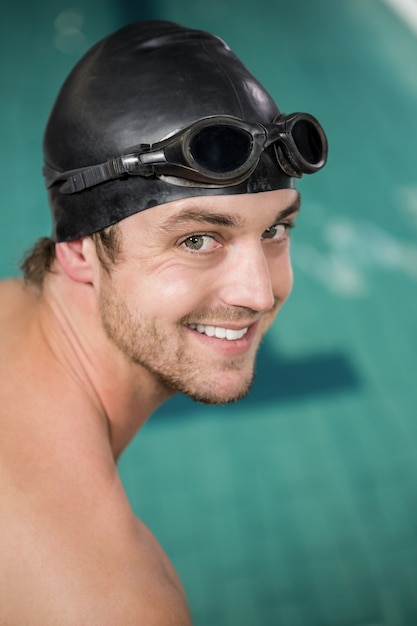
246, 278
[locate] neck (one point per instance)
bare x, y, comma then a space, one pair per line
117, 391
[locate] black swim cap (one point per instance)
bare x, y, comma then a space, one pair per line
137, 86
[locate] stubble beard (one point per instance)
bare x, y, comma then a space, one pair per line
150, 347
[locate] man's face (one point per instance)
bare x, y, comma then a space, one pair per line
199, 283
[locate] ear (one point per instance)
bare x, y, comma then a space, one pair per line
76, 258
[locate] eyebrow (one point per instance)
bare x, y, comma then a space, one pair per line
200, 216
294, 207
203, 216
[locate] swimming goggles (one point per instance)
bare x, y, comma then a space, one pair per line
217, 151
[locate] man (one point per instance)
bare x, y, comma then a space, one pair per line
170, 174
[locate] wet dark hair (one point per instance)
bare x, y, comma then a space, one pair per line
38, 261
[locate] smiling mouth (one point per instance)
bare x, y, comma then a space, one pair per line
219, 332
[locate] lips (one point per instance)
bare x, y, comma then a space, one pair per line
219, 332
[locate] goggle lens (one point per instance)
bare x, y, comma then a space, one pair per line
308, 141
221, 148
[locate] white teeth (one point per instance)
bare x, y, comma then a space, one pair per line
219, 332
235, 334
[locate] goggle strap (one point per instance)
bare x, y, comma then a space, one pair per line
87, 178
97, 174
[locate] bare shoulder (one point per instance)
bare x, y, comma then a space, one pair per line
68, 559
72, 552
